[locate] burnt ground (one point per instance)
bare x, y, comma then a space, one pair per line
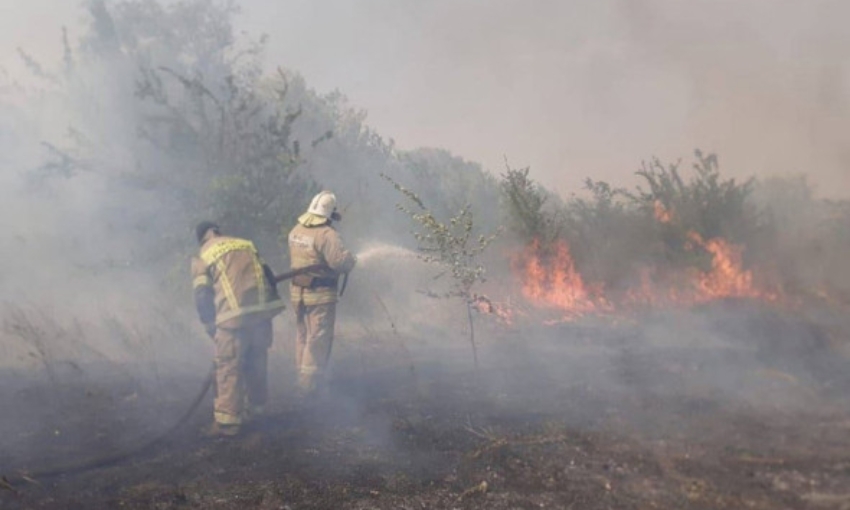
727, 407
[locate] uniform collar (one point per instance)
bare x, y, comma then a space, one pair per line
312, 220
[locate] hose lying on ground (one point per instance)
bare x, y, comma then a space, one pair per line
8, 482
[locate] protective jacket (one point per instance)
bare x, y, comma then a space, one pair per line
317, 244
231, 273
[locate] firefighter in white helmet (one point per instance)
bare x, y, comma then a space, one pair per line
314, 242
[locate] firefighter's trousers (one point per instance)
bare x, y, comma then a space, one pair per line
314, 339
241, 359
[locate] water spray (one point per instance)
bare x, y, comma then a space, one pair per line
380, 251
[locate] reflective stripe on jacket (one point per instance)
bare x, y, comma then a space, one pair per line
318, 245
233, 268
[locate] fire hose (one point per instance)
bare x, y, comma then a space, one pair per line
8, 482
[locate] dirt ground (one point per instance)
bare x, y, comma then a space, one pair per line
731, 406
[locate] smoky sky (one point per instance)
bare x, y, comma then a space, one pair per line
574, 89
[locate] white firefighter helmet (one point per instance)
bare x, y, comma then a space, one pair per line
323, 204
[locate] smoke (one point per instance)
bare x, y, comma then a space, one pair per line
587, 88
766, 81
90, 245
575, 89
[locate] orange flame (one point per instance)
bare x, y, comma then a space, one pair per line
727, 277
484, 305
662, 214
551, 280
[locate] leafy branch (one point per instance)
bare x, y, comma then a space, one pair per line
453, 246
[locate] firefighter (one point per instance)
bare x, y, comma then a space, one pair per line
314, 241
236, 301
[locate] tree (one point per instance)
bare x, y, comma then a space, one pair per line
706, 204
525, 202
451, 246
172, 112
248, 161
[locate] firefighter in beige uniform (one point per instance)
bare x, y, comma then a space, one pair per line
236, 302
314, 241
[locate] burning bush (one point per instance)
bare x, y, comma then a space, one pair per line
676, 243
549, 278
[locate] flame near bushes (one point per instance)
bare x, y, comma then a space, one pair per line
548, 278
678, 242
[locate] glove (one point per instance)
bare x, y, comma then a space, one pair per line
210, 327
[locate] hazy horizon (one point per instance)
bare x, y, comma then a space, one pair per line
586, 88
